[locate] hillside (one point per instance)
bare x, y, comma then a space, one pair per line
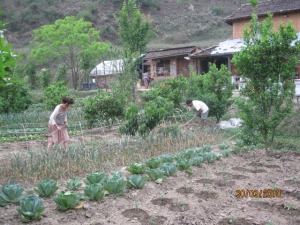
174, 22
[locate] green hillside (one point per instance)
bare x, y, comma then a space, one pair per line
174, 22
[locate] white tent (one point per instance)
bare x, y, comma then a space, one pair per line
105, 68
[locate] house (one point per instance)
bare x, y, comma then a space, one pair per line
169, 62
283, 11
105, 72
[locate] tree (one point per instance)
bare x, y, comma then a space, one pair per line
66, 40
7, 58
218, 88
134, 32
268, 65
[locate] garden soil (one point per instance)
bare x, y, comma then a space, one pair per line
206, 197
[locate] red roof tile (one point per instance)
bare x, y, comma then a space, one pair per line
263, 8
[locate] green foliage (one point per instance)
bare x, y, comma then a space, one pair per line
10, 193
94, 192
174, 90
54, 93
14, 97
45, 77
184, 164
136, 181
115, 185
30, 72
136, 168
102, 106
134, 29
66, 40
61, 75
67, 200
46, 188
96, 178
166, 158
218, 88
153, 163
197, 161
8, 58
169, 168
74, 184
145, 120
268, 65
31, 208
156, 175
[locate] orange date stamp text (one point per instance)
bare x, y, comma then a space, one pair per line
265, 193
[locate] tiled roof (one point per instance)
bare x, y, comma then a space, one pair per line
163, 53
263, 8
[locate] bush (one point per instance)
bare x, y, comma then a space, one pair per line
103, 106
54, 93
14, 97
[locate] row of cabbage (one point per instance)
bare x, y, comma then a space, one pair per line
98, 184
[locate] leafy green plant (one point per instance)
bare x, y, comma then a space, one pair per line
96, 178
153, 163
54, 93
31, 208
166, 158
103, 106
223, 146
115, 185
94, 192
197, 161
10, 193
136, 181
156, 175
73, 184
136, 168
184, 164
206, 148
46, 188
169, 168
67, 200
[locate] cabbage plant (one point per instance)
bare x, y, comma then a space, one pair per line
153, 163
136, 181
10, 193
156, 175
31, 208
167, 158
169, 168
46, 188
136, 168
74, 184
115, 185
185, 164
67, 200
94, 192
96, 178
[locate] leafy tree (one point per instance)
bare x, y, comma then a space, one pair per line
66, 40
218, 88
45, 77
54, 93
7, 58
61, 73
268, 65
30, 72
134, 32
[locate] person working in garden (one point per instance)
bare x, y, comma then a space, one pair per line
146, 79
201, 107
58, 124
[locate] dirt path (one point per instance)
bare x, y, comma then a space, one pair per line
208, 196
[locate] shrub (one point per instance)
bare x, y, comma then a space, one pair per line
14, 97
103, 106
31, 208
54, 93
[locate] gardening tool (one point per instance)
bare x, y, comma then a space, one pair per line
49, 135
189, 121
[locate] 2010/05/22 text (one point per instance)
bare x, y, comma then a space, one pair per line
266, 193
